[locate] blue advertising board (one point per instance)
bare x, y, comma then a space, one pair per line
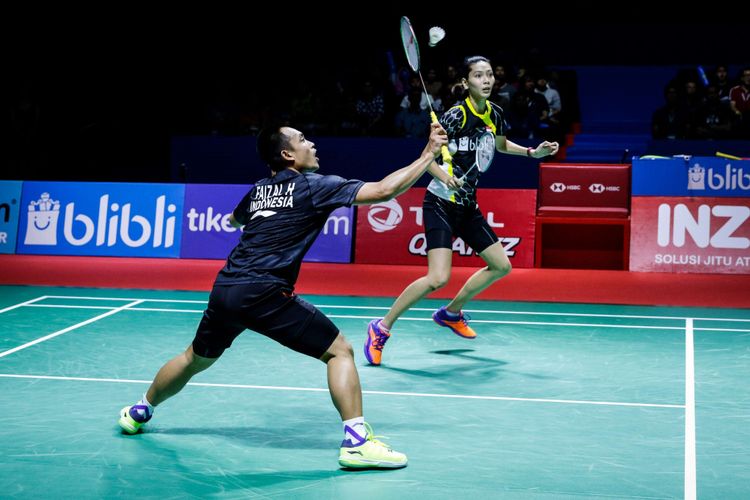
691, 176
334, 243
112, 219
207, 233
10, 201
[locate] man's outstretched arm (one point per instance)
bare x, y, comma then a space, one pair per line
399, 181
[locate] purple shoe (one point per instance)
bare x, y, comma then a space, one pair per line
376, 339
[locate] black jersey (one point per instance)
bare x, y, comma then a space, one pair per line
282, 216
464, 126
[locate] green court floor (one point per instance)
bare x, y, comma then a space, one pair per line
550, 401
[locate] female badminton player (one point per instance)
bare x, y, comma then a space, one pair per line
450, 208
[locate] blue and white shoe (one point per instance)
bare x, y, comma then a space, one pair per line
133, 417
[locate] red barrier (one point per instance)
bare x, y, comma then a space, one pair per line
584, 190
691, 235
392, 232
583, 216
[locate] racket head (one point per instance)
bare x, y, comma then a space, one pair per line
485, 151
409, 40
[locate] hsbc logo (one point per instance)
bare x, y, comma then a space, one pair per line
597, 188
559, 187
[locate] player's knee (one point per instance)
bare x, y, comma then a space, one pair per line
437, 281
347, 349
341, 347
197, 363
501, 269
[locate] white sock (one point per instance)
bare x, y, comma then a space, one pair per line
383, 328
144, 401
356, 425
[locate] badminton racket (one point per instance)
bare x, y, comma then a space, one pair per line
411, 48
484, 153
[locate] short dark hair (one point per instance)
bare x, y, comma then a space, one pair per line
271, 141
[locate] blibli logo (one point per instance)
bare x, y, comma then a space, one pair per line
41, 226
727, 179
731, 178
696, 177
114, 222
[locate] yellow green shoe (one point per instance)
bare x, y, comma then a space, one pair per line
133, 417
370, 453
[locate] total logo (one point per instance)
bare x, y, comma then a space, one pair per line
385, 216
114, 222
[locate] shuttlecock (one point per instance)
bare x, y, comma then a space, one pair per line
436, 34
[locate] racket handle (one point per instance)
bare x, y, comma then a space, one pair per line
447, 158
728, 157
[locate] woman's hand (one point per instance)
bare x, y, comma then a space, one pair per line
545, 149
454, 183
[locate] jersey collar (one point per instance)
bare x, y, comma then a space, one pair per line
485, 117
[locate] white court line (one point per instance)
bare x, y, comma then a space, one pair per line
486, 311
22, 304
382, 393
64, 306
690, 475
177, 301
488, 321
65, 330
539, 313
542, 323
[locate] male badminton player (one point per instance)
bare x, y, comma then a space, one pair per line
282, 215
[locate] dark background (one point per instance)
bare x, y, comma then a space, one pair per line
109, 87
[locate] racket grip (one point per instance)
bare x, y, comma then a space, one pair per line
447, 158
728, 157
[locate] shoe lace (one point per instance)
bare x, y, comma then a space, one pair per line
379, 341
463, 318
372, 437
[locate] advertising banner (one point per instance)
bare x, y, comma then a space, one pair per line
10, 201
691, 176
392, 232
112, 219
683, 235
334, 243
207, 233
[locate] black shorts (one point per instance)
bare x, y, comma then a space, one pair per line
443, 220
270, 309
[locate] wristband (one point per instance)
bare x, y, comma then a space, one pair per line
528, 152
